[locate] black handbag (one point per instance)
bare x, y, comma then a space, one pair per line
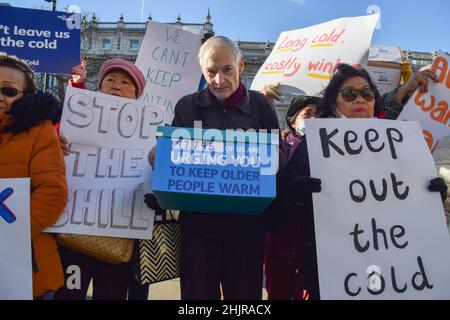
160, 256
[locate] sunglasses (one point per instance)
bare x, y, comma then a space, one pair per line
350, 94
10, 92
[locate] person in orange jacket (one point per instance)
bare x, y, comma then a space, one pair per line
120, 78
29, 147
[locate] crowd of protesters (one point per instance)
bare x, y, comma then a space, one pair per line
222, 255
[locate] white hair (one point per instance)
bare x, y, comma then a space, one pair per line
219, 41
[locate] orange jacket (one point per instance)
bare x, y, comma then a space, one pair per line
33, 151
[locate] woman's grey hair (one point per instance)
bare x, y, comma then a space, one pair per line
219, 41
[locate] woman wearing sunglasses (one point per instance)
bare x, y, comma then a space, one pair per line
29, 148
350, 94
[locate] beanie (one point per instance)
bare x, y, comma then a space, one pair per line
127, 67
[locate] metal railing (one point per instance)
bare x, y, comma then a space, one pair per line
142, 25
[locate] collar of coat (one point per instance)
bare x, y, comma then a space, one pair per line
30, 111
206, 100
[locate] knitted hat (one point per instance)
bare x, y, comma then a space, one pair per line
127, 67
297, 104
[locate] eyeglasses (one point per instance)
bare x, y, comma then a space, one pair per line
10, 92
350, 94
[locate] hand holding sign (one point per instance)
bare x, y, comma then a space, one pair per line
419, 79
301, 188
79, 72
438, 185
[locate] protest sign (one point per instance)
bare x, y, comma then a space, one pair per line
431, 108
218, 171
384, 67
15, 240
49, 41
380, 233
168, 60
302, 60
107, 169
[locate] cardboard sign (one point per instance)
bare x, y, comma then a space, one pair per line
386, 79
380, 233
380, 53
384, 67
302, 60
49, 41
107, 169
168, 60
431, 108
210, 170
15, 240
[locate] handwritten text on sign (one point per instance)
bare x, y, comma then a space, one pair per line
303, 59
380, 233
107, 169
431, 108
168, 60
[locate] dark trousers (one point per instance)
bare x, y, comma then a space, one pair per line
110, 281
235, 263
291, 279
282, 278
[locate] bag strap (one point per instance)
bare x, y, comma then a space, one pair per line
164, 216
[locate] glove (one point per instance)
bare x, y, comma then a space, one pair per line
301, 188
306, 184
151, 202
438, 185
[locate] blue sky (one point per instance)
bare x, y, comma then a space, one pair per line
415, 25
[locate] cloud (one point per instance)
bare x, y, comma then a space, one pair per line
299, 2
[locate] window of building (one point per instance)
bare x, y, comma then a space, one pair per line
134, 44
106, 44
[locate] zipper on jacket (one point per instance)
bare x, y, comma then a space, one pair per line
223, 119
33, 259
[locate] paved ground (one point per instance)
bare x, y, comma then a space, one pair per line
166, 290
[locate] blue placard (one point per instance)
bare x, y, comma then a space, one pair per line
49, 41
232, 166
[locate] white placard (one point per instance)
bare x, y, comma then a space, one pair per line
385, 54
385, 79
107, 169
375, 241
302, 60
168, 60
15, 240
431, 108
